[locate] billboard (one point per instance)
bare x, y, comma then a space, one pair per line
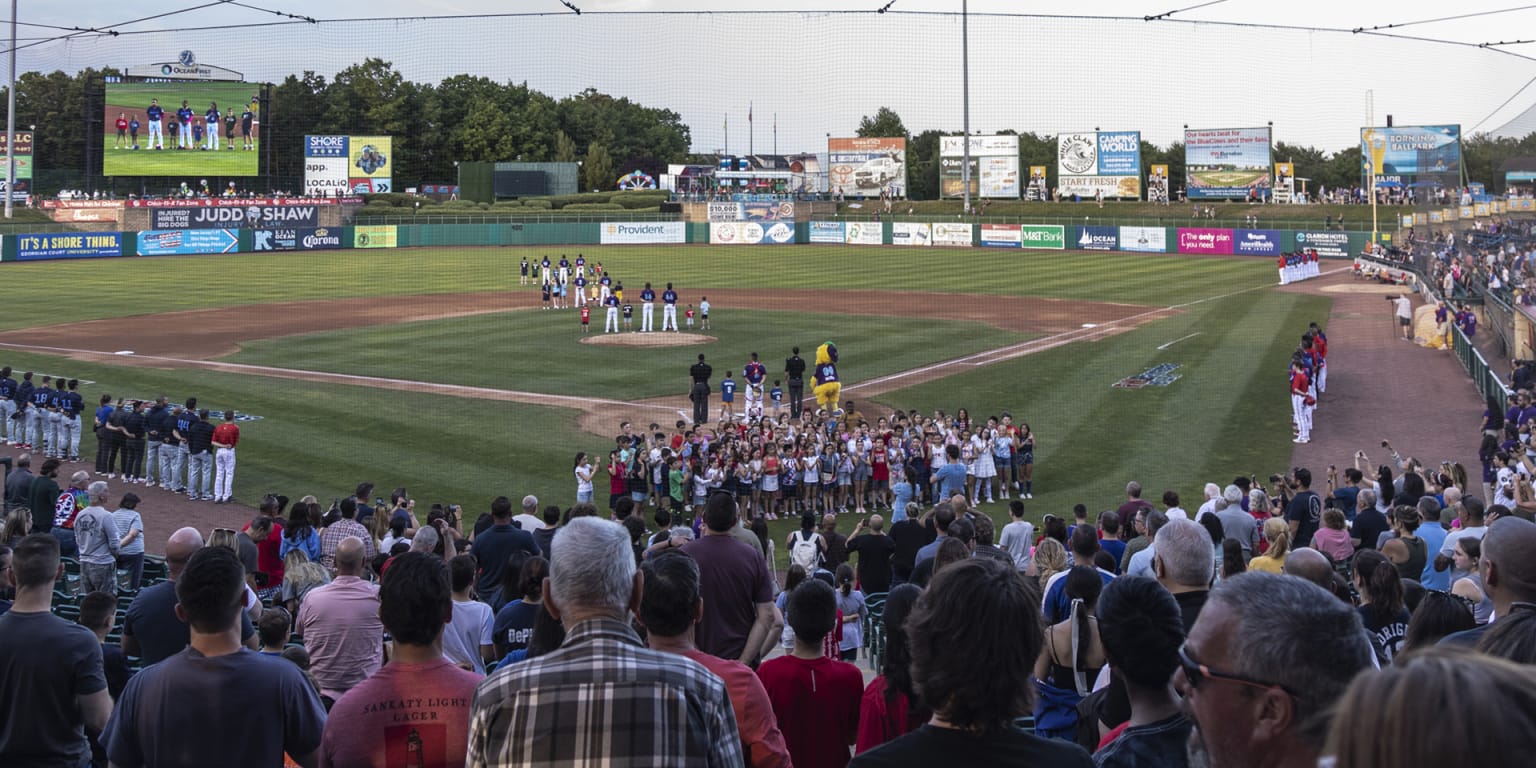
950, 234
783, 210
1036, 189
1256, 242
724, 211
1000, 235
1144, 239
1400, 155
177, 242
235, 216
1205, 240
296, 239
374, 236
1226, 163
911, 233
1157, 184
1097, 238
867, 166
994, 166
203, 129
325, 165
68, 245
23, 162
369, 164
1099, 162
862, 233
827, 232
637, 233
752, 233
1329, 245
1285, 182
1052, 236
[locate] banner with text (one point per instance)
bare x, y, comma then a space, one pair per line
867, 166
911, 233
1000, 235
1205, 240
862, 233
1144, 239
1329, 245
1256, 242
994, 166
951, 234
23, 153
296, 239
1052, 236
752, 233
68, 245
370, 164
646, 232
325, 165
1226, 163
1096, 238
827, 232
1093, 163
177, 242
235, 216
375, 236
1400, 155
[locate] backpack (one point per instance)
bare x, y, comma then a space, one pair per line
806, 552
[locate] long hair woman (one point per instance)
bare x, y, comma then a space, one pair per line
1381, 601
891, 704
1277, 534
1071, 658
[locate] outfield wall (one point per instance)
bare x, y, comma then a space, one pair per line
1214, 241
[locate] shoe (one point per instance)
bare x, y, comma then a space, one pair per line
1298, 440
1029, 495
149, 484
218, 501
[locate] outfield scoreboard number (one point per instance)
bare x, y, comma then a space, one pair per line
1226, 163
1400, 155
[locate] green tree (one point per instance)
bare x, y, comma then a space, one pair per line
565, 148
297, 105
923, 166
598, 168
885, 123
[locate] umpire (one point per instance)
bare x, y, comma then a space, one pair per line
794, 370
699, 394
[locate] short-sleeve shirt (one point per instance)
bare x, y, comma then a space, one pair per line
1306, 510
513, 626
342, 632
404, 714
469, 629
492, 550
874, 569
151, 619
817, 704
45, 662
733, 580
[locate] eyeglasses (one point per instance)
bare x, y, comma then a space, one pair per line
1198, 673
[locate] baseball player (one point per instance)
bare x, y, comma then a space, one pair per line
524, 274
184, 126
604, 284
1301, 410
37, 424
565, 268
611, 325
586, 317
754, 373
1320, 348
546, 271
8, 387
211, 117
71, 405
55, 424
581, 289
1283, 263
225, 437
581, 264
669, 308
647, 309
155, 116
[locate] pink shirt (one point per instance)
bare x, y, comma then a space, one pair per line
761, 742
342, 632
1333, 543
407, 714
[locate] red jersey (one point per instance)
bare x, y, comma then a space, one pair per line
227, 434
1299, 383
122, 125
1281, 261
586, 314
688, 314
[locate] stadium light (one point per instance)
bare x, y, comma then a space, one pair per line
10, 121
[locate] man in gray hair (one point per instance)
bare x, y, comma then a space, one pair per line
96, 537
1253, 679
1236, 523
1184, 562
560, 708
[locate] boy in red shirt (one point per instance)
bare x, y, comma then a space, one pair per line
586, 317
816, 699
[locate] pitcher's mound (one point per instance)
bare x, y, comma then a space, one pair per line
655, 339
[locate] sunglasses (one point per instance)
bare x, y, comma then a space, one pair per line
1197, 673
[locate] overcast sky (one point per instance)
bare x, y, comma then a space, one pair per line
819, 72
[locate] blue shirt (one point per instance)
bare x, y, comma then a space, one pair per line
728, 390
902, 490
154, 113
133, 125
669, 296
1434, 538
184, 114
103, 413
776, 394
950, 478
647, 295
611, 301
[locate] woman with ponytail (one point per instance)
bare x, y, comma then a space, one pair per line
850, 603
1075, 641
1381, 601
1277, 534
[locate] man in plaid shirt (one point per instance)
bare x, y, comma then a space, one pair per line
602, 698
331, 537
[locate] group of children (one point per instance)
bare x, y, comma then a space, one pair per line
581, 285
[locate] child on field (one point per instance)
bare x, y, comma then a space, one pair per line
776, 395
586, 318
689, 315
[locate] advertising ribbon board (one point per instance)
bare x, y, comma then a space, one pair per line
1096, 238
1205, 240
1093, 163
644, 232
1329, 245
866, 167
374, 236
1400, 155
862, 233
1256, 242
186, 241
1144, 239
1051, 236
783, 210
68, 245
1226, 163
1000, 235
911, 233
235, 216
296, 239
752, 233
827, 232
951, 234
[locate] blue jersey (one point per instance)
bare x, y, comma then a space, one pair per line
72, 404
647, 295
7, 388
728, 390
154, 113
41, 396
611, 302
605, 281
669, 296
825, 373
133, 125
754, 372
776, 395
212, 115
184, 115
245, 120
581, 282
525, 267
56, 398
185, 421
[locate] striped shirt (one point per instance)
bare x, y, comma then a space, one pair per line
603, 698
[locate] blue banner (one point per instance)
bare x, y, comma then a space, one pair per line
1256, 242
185, 241
1120, 153
1098, 238
296, 239
827, 232
68, 245
325, 146
1399, 155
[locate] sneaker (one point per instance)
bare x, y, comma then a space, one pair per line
1029, 495
149, 484
110, 476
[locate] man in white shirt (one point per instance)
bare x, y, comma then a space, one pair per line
1472, 527
1018, 536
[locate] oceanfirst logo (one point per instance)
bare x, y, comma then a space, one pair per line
325, 146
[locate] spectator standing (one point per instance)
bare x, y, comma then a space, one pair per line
512, 628
1142, 630
1472, 526
151, 629
1185, 565
98, 543
415, 709
18, 483
891, 706
52, 686
545, 534
554, 709
909, 535
340, 625
1508, 568
332, 536
816, 699
1018, 538
1236, 523
1305, 512
43, 494
875, 550
130, 531
98, 613
495, 545
467, 641
736, 584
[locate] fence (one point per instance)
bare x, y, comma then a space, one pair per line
1487, 381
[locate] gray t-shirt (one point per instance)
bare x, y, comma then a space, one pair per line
45, 662
96, 536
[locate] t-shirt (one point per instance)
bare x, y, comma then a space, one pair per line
1434, 538
762, 744
492, 549
817, 704
1154, 745
405, 715
470, 628
545, 537
1448, 548
179, 713
45, 662
513, 626
1306, 510
874, 569
1018, 540
909, 536
881, 721
1389, 635
1368, 526
930, 745
151, 619
950, 478
733, 580
1115, 547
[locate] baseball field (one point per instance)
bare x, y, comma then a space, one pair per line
1228, 177
132, 99
434, 369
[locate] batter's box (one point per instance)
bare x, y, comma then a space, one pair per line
1159, 376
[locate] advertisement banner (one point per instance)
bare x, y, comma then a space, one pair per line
1037, 189
370, 164
1401, 154
1205, 240
1522, 204
1095, 238
827, 232
1052, 236
862, 233
867, 166
374, 236
185, 241
647, 232
994, 166
1465, 211
1144, 239
1000, 235
722, 211
326, 146
72, 215
1479, 209
234, 216
23, 155
296, 239
1094, 163
752, 233
1256, 242
1285, 182
946, 233
911, 233
1157, 184
1226, 163
782, 210
1329, 245
326, 176
68, 245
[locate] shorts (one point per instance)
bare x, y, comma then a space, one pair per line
827, 478
1405, 321
844, 478
861, 473
1027, 457
879, 485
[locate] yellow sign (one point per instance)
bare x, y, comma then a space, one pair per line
370, 157
374, 236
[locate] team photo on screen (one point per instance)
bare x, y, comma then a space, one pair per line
169, 129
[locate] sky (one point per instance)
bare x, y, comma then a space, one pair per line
816, 69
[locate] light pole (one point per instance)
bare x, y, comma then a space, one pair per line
10, 122
965, 97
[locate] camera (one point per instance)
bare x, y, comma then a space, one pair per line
1276, 478
1386, 444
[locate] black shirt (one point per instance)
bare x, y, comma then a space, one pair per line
701, 372
133, 423
1368, 526
794, 368
493, 548
199, 437
909, 536
1306, 510
154, 421
875, 551
930, 745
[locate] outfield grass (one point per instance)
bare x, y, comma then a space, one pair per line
192, 163
541, 351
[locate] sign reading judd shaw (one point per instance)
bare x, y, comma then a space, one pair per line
234, 216
1052, 236
1000, 235
1096, 238
1329, 245
1256, 242
643, 232
306, 239
827, 232
950, 234
1144, 239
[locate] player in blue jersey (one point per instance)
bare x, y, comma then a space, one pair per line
611, 325
156, 116
8, 431
184, 127
605, 287
776, 396
55, 429
71, 405
211, 119
669, 308
727, 396
754, 372
647, 309
581, 289
524, 272
37, 415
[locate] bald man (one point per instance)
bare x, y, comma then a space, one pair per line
1312, 565
151, 629
1508, 568
341, 627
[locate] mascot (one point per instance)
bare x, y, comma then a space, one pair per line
828, 389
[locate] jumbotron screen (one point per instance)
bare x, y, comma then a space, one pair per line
181, 129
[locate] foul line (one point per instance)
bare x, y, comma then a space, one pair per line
1175, 341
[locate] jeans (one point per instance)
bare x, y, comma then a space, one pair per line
67, 546
134, 565
150, 456
200, 475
